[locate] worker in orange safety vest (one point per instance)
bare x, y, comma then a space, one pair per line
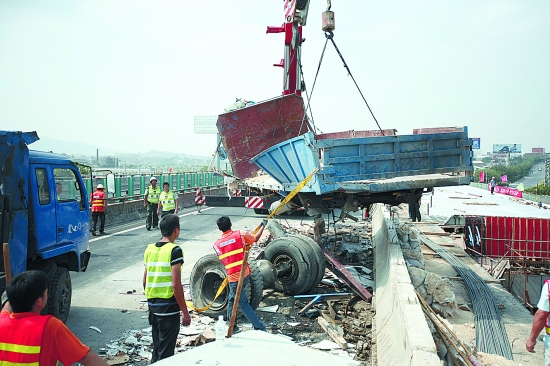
230, 250
28, 338
99, 207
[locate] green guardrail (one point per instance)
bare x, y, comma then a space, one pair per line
130, 185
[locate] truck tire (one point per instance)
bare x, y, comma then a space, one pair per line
316, 254
292, 263
312, 260
207, 275
59, 294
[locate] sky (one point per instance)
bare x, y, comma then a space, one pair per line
131, 75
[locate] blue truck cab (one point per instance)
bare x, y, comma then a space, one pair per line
45, 216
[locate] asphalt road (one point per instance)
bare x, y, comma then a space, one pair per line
537, 177
100, 296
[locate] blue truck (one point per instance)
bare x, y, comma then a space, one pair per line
44, 216
274, 144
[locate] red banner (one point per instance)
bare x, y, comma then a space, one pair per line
508, 191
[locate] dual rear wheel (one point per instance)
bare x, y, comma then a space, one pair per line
299, 263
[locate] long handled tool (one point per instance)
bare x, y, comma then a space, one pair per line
245, 259
7, 265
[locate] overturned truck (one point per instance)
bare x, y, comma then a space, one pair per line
272, 147
354, 170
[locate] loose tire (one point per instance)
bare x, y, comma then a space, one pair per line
316, 254
294, 267
59, 294
205, 279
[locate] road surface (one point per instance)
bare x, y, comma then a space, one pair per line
116, 267
536, 177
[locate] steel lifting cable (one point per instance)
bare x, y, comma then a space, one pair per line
309, 95
330, 35
491, 334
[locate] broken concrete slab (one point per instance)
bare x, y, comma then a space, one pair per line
258, 347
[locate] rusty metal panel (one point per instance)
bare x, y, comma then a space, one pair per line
420, 131
248, 131
351, 134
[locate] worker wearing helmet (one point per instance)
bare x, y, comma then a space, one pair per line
168, 201
99, 207
151, 201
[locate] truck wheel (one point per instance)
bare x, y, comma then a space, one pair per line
316, 254
292, 263
257, 284
312, 260
59, 294
207, 275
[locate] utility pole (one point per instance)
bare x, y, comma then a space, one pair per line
547, 169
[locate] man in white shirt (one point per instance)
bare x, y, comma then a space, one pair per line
539, 322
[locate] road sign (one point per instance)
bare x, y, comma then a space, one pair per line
476, 143
206, 124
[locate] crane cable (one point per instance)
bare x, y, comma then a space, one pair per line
309, 95
330, 35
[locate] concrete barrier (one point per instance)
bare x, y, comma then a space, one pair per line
131, 208
402, 334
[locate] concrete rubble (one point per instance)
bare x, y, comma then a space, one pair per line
340, 327
431, 286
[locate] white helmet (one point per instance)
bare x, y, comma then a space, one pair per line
100, 186
151, 179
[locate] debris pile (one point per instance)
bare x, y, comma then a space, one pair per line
337, 322
351, 319
351, 243
431, 286
135, 346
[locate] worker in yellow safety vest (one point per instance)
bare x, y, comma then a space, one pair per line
163, 289
168, 201
151, 201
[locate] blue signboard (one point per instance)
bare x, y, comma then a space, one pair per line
476, 144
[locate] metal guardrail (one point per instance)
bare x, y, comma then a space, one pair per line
134, 186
